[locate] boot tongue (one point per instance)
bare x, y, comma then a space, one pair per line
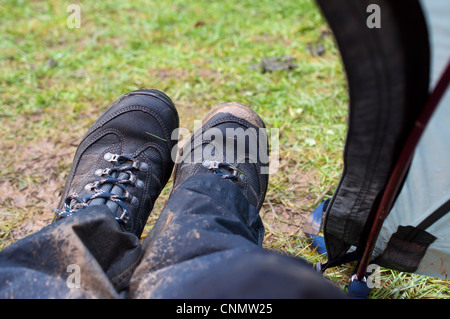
113, 189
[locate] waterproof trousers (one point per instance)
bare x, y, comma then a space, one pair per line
206, 243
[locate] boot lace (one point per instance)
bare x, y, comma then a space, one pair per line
120, 175
226, 170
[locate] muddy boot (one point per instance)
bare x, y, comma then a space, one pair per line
232, 143
124, 160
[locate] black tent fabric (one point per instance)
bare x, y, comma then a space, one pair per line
388, 75
391, 205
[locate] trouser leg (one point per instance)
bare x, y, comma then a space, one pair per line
84, 256
204, 221
207, 244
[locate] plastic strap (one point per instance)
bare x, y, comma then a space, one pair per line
312, 227
358, 288
318, 242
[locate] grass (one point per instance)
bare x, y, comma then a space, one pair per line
55, 81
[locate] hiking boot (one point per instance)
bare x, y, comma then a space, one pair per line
232, 143
124, 160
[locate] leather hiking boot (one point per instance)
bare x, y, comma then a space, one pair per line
232, 143
124, 160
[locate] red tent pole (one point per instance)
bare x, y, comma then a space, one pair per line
401, 168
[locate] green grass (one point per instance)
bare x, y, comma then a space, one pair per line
55, 81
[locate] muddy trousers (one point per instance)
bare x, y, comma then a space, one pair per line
206, 243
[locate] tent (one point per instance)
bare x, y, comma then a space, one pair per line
390, 206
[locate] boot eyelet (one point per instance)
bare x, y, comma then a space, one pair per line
134, 201
139, 183
107, 156
111, 157
143, 166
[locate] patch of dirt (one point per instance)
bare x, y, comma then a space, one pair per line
284, 214
282, 220
32, 183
